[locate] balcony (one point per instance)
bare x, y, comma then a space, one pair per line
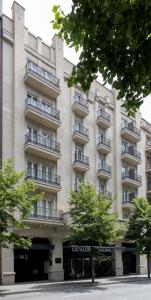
148, 167
41, 80
43, 215
105, 194
41, 112
130, 178
45, 181
81, 162
80, 134
76, 186
127, 202
104, 170
80, 106
131, 156
42, 146
130, 132
149, 187
103, 144
148, 146
103, 119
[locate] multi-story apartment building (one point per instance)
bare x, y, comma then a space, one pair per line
61, 136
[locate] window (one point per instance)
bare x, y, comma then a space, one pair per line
102, 186
32, 169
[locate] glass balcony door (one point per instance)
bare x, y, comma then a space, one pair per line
32, 169
47, 140
47, 173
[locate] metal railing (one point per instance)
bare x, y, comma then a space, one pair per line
42, 141
80, 101
80, 129
102, 166
149, 185
45, 177
130, 126
131, 151
129, 198
44, 213
78, 157
103, 140
148, 165
45, 75
131, 175
105, 193
38, 105
103, 114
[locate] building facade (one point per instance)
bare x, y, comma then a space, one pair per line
62, 136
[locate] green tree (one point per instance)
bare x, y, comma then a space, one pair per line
139, 228
91, 219
16, 200
115, 38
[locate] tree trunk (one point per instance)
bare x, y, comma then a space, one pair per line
92, 269
148, 264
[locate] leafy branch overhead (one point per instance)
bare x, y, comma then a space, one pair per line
91, 217
139, 228
16, 200
115, 38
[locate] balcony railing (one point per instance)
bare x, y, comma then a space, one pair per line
102, 166
42, 107
103, 140
44, 177
45, 75
103, 114
81, 101
78, 157
42, 141
105, 193
46, 214
81, 129
130, 197
130, 126
148, 165
149, 185
131, 151
131, 175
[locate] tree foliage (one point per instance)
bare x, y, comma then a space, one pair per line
92, 221
91, 217
139, 227
115, 38
16, 200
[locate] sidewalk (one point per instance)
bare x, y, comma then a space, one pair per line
42, 286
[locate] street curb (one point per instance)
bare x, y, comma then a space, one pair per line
7, 293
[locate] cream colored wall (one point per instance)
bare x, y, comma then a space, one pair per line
28, 46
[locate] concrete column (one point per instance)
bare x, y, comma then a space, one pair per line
141, 264
118, 260
7, 274
56, 272
19, 90
117, 166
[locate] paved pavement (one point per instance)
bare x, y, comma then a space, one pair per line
138, 290
113, 288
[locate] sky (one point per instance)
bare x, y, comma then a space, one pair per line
38, 15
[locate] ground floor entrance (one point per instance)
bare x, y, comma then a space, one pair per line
32, 264
77, 261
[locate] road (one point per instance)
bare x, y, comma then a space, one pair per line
121, 291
